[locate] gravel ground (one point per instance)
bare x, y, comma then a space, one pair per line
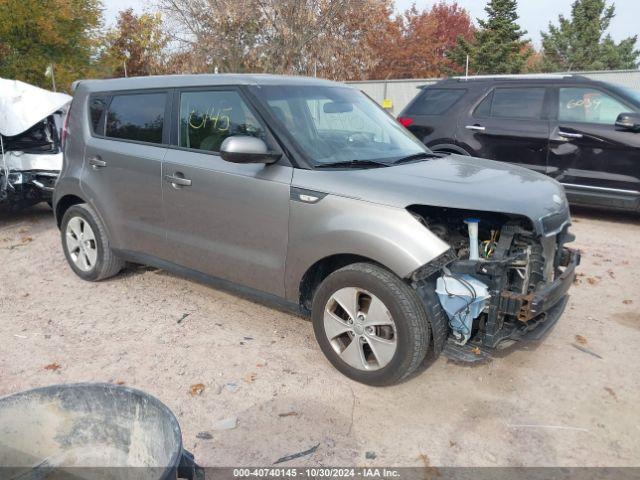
549, 404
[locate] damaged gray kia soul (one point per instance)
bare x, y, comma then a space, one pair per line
307, 193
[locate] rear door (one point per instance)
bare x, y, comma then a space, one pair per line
597, 162
123, 164
224, 219
509, 125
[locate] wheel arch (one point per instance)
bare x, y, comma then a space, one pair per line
321, 269
63, 204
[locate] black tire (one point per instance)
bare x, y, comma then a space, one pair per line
405, 307
107, 263
438, 320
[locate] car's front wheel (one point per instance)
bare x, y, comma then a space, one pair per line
370, 324
86, 245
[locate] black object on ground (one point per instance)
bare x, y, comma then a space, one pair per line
85, 429
297, 455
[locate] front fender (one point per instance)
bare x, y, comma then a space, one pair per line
337, 225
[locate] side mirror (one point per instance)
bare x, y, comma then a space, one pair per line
629, 121
245, 149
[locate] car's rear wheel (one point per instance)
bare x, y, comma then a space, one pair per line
86, 246
370, 324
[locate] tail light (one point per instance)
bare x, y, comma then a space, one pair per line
405, 121
65, 128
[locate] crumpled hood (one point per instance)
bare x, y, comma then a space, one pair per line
453, 181
23, 105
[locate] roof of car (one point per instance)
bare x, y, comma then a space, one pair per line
175, 81
542, 78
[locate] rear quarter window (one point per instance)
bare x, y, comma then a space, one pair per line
435, 101
97, 107
138, 117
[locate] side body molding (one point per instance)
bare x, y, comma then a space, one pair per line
340, 225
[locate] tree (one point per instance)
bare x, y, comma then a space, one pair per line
213, 34
418, 42
36, 33
307, 37
579, 42
452, 22
137, 41
499, 46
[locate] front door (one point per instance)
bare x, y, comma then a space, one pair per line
224, 219
509, 125
597, 162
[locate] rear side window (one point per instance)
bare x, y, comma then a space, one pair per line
435, 101
97, 107
512, 103
208, 118
138, 117
517, 102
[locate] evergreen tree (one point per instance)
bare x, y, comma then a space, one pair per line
499, 45
579, 43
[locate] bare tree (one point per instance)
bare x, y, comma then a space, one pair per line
329, 38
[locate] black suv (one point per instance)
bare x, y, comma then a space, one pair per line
583, 133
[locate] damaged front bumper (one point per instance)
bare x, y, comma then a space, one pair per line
527, 308
537, 312
31, 178
512, 316
23, 189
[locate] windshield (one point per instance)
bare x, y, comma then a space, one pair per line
338, 124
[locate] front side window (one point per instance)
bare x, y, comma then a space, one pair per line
338, 124
517, 103
208, 118
588, 105
435, 101
138, 117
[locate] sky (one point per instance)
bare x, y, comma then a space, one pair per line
534, 14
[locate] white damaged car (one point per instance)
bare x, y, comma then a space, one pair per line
30, 143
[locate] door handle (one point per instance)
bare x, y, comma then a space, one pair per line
96, 162
569, 135
178, 180
478, 128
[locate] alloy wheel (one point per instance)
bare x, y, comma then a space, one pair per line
81, 243
360, 329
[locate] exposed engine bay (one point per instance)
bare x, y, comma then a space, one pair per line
31, 162
501, 279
